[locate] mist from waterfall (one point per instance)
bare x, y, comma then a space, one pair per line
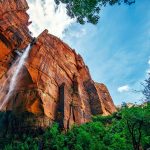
13, 81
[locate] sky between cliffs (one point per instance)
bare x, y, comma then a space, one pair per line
116, 50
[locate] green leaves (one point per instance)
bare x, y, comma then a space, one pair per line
88, 10
137, 121
124, 130
146, 90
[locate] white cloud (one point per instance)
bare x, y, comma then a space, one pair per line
149, 61
44, 15
147, 71
124, 88
77, 34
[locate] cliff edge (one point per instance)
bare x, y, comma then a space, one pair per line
54, 83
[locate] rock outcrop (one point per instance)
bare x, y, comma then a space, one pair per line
14, 32
54, 84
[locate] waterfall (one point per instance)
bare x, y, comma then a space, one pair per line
13, 81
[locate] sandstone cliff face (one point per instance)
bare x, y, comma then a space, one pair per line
14, 33
54, 84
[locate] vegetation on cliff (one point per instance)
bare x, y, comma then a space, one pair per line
125, 130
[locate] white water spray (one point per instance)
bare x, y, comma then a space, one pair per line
13, 81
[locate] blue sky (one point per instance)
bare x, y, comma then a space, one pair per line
116, 50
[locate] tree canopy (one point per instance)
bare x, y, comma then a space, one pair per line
127, 129
146, 91
89, 10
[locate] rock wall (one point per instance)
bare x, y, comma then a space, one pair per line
54, 84
14, 32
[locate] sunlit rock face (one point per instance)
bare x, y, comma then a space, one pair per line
14, 33
54, 84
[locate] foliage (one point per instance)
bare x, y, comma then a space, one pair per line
146, 91
137, 120
26, 144
125, 130
88, 10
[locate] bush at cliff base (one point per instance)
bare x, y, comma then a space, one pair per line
103, 133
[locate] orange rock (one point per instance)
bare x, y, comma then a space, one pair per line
55, 83
14, 32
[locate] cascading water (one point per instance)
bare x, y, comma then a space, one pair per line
13, 81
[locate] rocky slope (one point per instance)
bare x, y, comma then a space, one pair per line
54, 84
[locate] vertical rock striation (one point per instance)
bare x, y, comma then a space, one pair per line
54, 84
14, 32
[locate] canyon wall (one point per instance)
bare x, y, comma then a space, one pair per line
54, 84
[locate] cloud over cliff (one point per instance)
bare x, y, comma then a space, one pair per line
46, 15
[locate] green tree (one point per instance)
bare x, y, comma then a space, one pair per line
137, 120
124, 130
88, 10
88, 136
23, 144
53, 138
146, 90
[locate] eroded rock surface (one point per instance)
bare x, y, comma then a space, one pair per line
14, 32
54, 83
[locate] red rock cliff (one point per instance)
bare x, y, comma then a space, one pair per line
14, 33
54, 84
